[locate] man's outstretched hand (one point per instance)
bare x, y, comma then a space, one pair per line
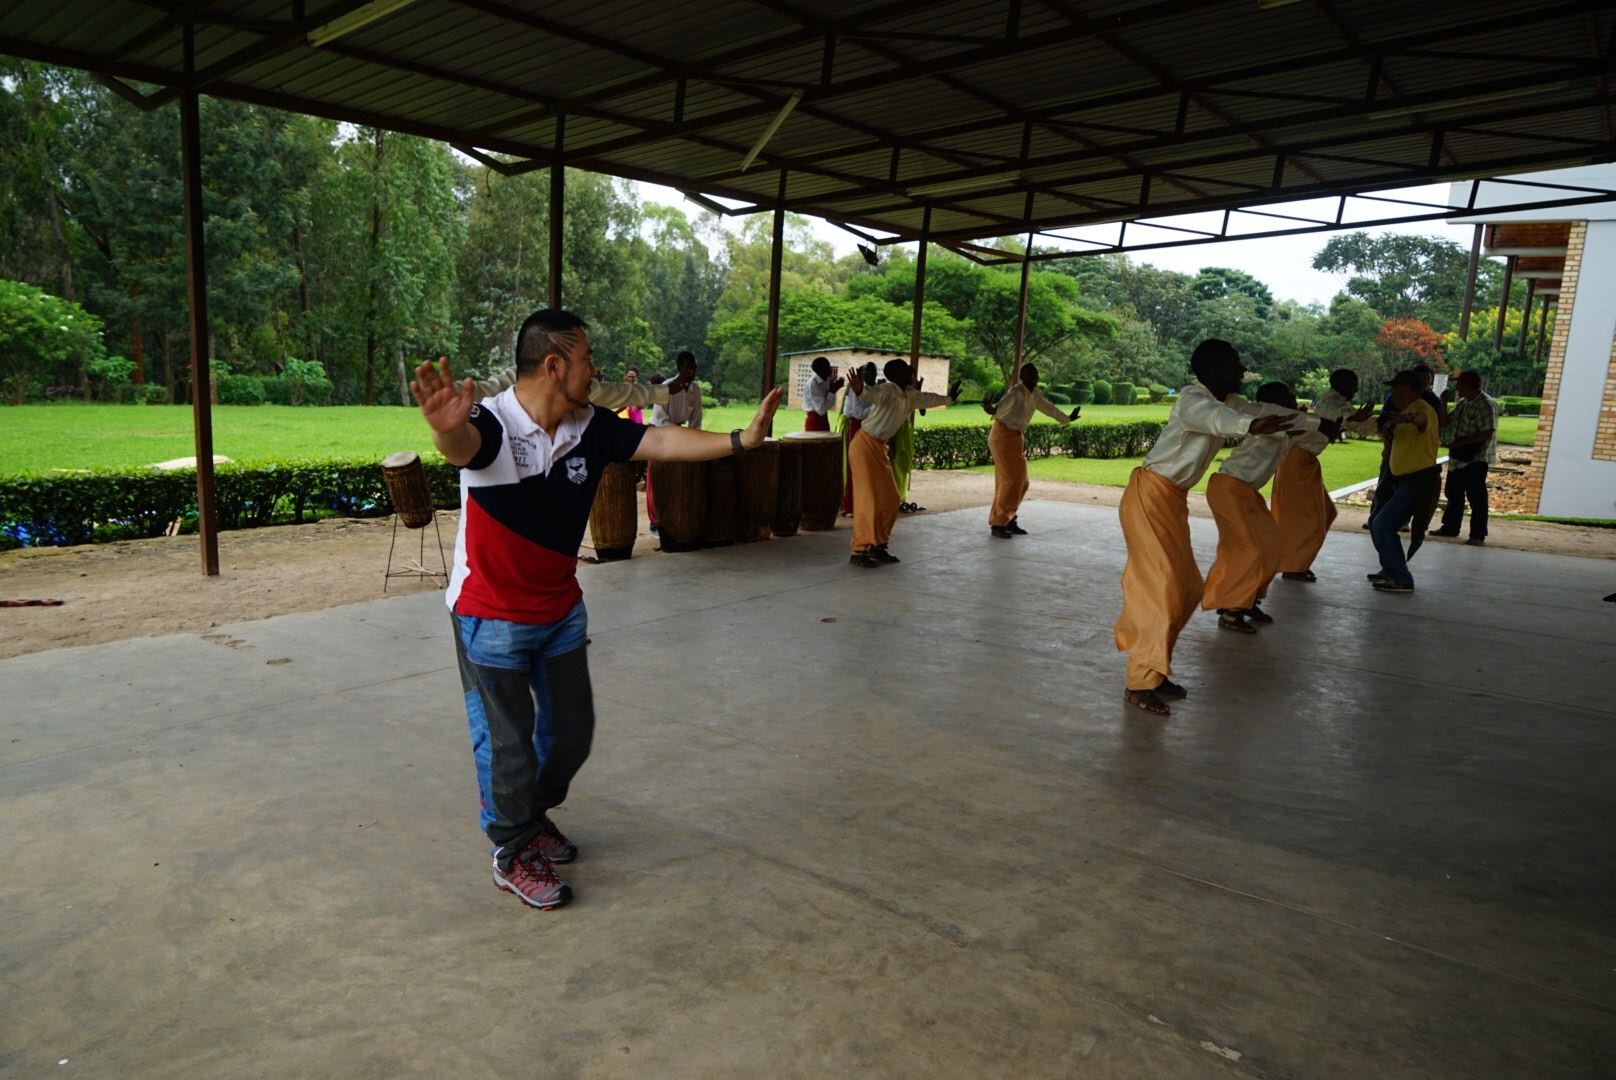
445, 406
758, 429
953, 392
1272, 425
1074, 414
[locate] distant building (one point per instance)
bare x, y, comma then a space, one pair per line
1568, 253
933, 369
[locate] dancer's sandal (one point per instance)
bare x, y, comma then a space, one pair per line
1231, 620
1147, 701
1170, 689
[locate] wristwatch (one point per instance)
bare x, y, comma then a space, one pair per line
736, 449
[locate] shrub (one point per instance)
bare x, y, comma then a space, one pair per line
43, 339
1122, 393
240, 390
1057, 398
1159, 393
277, 390
1102, 392
1521, 406
106, 504
151, 394
709, 402
109, 376
1123, 438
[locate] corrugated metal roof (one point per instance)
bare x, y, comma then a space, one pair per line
1074, 102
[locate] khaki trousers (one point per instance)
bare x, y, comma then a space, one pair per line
1010, 481
1161, 585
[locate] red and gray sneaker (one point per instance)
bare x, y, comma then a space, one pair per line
534, 881
551, 843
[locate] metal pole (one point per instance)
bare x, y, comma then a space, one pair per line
558, 203
1021, 310
1503, 304
1526, 318
196, 280
920, 293
1542, 327
771, 336
1470, 284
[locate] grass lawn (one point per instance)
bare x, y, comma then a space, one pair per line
1344, 464
37, 438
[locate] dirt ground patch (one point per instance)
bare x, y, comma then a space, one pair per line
144, 588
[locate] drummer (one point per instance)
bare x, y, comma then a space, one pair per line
683, 409
530, 459
875, 493
819, 396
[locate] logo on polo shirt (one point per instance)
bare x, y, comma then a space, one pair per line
577, 470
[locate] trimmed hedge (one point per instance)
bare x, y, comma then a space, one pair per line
1158, 393
1122, 393
1521, 406
1102, 392
123, 504
960, 447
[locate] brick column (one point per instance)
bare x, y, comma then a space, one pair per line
1556, 364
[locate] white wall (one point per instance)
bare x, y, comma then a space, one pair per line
1574, 484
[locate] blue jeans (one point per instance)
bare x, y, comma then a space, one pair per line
1394, 513
530, 710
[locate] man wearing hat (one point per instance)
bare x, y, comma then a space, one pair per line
1438, 405
1472, 448
1415, 478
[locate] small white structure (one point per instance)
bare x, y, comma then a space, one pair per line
1574, 472
933, 369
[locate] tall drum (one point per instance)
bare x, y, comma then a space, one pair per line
615, 517
681, 502
788, 489
821, 477
757, 481
721, 485
405, 478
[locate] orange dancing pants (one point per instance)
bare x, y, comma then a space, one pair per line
1250, 545
1009, 473
875, 493
1161, 585
1303, 509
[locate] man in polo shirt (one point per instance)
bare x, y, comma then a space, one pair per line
1471, 451
530, 459
1412, 428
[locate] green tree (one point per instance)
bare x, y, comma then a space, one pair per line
1219, 282
44, 340
1505, 370
1407, 277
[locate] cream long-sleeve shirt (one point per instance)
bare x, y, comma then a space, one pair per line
817, 396
890, 406
1016, 407
1332, 406
607, 395
1195, 430
854, 408
682, 410
1256, 459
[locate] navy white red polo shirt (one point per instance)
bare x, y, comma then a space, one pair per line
524, 502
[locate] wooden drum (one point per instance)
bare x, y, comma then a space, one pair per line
721, 484
614, 519
757, 479
405, 478
788, 489
821, 477
681, 502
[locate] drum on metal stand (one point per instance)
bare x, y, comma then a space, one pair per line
614, 519
719, 530
411, 496
821, 477
757, 482
681, 502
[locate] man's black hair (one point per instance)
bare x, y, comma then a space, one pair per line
658, 379
685, 356
1339, 377
1209, 353
896, 364
546, 331
1276, 393
820, 360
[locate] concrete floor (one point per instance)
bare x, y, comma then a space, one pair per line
842, 823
